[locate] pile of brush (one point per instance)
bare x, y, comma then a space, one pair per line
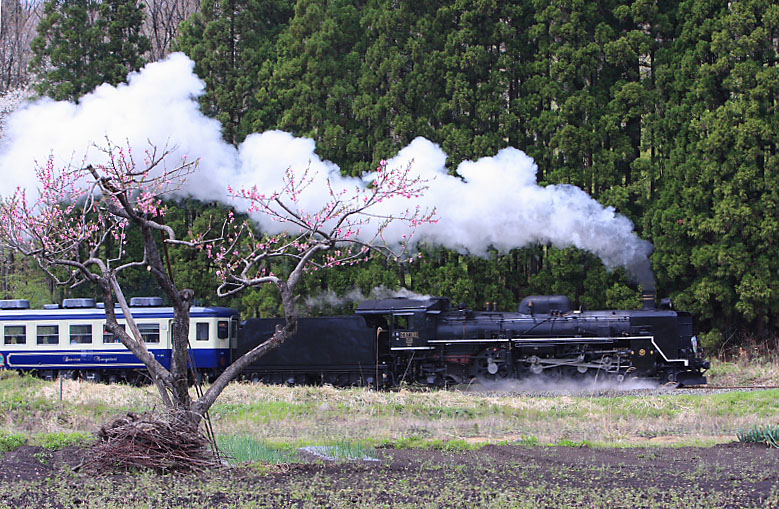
160, 442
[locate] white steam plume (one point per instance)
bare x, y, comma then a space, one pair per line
331, 299
494, 201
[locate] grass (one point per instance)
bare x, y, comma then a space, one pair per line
59, 440
744, 371
245, 449
325, 415
11, 441
51, 441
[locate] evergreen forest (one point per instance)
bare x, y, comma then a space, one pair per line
665, 110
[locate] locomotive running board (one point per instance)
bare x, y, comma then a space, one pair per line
551, 340
449, 341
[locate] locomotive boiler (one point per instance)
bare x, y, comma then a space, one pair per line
391, 341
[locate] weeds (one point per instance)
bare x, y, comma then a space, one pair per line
573, 443
11, 441
60, 440
415, 442
529, 441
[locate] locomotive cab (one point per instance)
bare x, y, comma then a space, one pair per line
411, 322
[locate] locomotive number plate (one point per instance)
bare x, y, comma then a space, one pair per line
408, 336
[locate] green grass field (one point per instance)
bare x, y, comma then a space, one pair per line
296, 416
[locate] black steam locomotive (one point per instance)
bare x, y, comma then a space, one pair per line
428, 341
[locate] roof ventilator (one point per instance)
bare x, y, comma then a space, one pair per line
78, 303
15, 304
145, 302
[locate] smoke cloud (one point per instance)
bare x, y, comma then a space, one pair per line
493, 202
332, 299
545, 386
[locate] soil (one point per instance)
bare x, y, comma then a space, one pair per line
735, 475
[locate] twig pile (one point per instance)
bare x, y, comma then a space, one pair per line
160, 442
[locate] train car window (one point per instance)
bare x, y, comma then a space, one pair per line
234, 332
48, 334
222, 329
80, 334
402, 321
15, 334
150, 332
201, 331
108, 337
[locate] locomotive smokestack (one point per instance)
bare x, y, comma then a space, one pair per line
648, 298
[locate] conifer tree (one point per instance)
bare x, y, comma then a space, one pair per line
715, 222
84, 43
314, 81
233, 44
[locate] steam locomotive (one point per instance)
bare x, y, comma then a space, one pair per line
385, 343
428, 341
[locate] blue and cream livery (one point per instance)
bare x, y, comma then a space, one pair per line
72, 340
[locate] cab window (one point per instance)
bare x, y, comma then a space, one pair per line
402, 321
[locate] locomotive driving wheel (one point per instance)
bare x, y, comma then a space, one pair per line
493, 363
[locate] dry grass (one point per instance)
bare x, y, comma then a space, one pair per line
76, 392
326, 414
745, 371
321, 414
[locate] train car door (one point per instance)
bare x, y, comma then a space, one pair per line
235, 324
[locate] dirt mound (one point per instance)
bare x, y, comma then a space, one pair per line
30, 463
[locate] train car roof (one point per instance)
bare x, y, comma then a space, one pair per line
402, 304
96, 313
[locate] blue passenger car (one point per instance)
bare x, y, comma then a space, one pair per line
72, 340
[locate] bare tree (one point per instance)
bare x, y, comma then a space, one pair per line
81, 212
10, 100
18, 19
163, 18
